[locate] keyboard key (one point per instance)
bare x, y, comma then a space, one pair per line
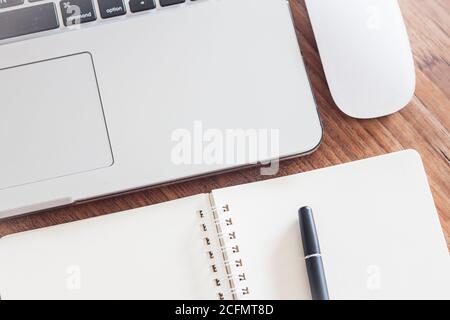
142, 5
76, 12
165, 3
28, 20
111, 8
10, 3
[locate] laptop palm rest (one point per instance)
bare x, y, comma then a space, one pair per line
51, 121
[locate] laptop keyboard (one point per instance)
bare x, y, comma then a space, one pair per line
26, 17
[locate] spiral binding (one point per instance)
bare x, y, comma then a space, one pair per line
228, 255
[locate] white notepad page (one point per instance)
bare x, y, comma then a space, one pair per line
377, 224
155, 252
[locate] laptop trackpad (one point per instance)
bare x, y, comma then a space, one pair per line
51, 121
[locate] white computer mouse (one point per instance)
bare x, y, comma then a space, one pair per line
366, 55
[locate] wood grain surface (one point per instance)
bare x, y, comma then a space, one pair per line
423, 125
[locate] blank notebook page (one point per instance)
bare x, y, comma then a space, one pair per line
378, 229
154, 252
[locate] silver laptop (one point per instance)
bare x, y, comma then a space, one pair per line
99, 97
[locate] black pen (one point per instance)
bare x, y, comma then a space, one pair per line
313, 257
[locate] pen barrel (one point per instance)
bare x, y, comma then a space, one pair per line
317, 279
308, 230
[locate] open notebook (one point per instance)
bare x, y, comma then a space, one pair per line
377, 223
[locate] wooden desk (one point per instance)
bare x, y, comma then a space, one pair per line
423, 125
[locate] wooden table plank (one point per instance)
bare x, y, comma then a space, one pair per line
423, 125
